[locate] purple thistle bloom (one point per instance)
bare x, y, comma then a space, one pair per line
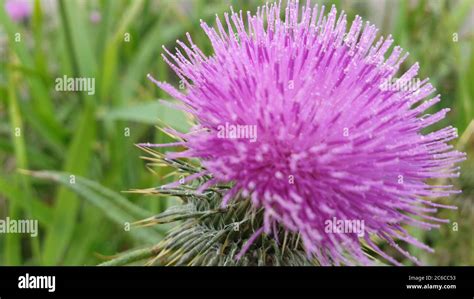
18, 10
334, 144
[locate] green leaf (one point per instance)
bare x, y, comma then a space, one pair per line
112, 205
9, 189
43, 111
149, 113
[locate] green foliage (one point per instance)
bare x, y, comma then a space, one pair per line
210, 235
113, 205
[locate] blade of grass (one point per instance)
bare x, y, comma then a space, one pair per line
10, 190
149, 113
86, 234
79, 38
44, 109
66, 208
112, 207
18, 136
112, 46
67, 205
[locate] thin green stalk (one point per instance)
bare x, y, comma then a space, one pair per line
18, 138
78, 156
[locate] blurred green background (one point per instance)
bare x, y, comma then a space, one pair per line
83, 218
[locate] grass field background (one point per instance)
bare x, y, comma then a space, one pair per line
86, 142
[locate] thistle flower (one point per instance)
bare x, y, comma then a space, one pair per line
332, 142
18, 10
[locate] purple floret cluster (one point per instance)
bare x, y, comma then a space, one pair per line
329, 139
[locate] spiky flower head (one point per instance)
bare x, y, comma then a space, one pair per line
305, 117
